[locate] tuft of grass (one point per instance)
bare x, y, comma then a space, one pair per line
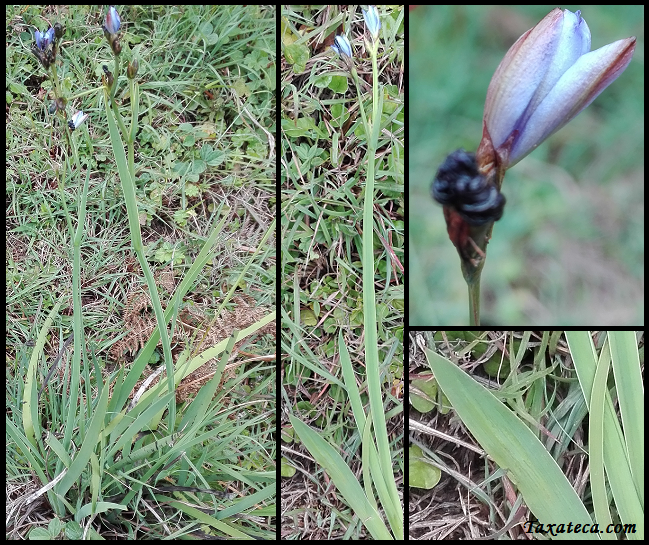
205, 152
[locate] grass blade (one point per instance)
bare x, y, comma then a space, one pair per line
342, 477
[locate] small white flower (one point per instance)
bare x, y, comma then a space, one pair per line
77, 119
372, 21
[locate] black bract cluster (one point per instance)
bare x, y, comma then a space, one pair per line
459, 184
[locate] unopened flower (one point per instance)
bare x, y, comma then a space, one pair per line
132, 69
113, 21
342, 46
546, 78
111, 28
58, 105
77, 119
373, 22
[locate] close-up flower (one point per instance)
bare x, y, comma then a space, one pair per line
555, 94
546, 78
43, 40
41, 47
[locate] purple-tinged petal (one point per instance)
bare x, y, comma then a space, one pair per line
514, 84
49, 36
44, 39
578, 87
39, 39
546, 78
573, 42
113, 21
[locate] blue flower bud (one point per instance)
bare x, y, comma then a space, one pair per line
112, 21
342, 46
372, 21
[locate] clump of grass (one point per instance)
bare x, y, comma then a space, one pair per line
203, 177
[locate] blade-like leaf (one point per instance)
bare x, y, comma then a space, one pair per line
343, 478
515, 448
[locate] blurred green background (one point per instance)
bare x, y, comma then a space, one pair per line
569, 249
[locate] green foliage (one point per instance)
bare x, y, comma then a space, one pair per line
325, 155
421, 474
203, 145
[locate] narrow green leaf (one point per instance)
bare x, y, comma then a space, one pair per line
343, 478
622, 483
80, 462
515, 448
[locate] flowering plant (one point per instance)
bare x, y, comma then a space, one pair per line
363, 55
80, 131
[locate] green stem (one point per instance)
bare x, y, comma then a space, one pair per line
369, 297
128, 188
472, 261
372, 366
474, 301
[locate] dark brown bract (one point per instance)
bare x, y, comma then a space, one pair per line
459, 184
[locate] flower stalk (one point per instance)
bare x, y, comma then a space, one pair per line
383, 480
126, 171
